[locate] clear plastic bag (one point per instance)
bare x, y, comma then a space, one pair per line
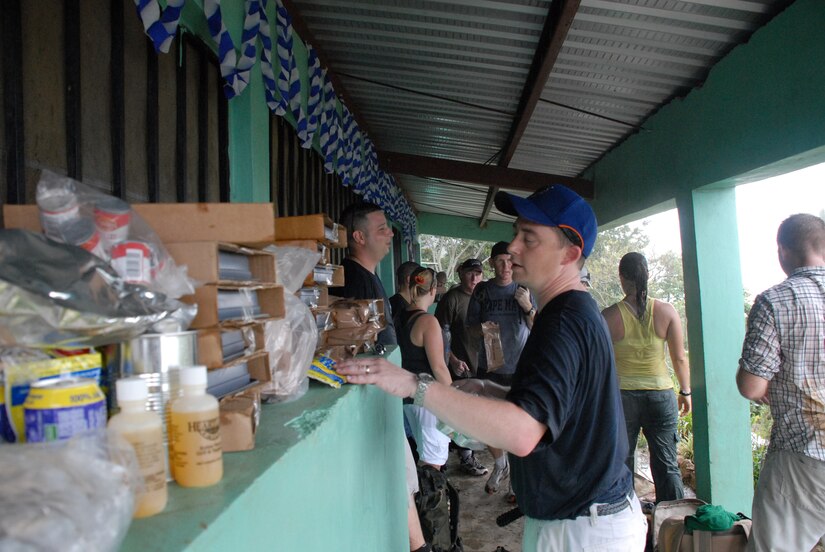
72, 496
294, 263
291, 342
73, 213
58, 295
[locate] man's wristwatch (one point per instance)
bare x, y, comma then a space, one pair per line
531, 312
684, 393
424, 381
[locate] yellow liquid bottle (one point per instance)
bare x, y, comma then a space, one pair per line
195, 432
144, 431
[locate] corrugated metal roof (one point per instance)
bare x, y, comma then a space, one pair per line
621, 61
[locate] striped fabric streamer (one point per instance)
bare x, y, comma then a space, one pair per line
296, 106
160, 25
314, 105
329, 131
234, 70
345, 149
267, 71
357, 160
285, 59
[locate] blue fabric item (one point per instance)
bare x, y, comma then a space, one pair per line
556, 205
566, 379
657, 414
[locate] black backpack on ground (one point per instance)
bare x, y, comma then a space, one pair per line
437, 505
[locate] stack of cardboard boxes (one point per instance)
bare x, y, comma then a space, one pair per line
316, 233
220, 244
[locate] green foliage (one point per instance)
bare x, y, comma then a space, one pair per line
761, 423
443, 253
603, 263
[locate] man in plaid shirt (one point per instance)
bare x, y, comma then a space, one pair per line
783, 364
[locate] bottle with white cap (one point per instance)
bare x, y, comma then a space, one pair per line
195, 432
143, 429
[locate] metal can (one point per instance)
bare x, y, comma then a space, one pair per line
134, 261
83, 233
56, 211
60, 408
112, 217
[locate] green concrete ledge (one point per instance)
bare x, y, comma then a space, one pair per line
327, 473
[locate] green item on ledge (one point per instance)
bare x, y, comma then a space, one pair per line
710, 518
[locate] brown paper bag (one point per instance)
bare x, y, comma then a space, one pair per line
492, 345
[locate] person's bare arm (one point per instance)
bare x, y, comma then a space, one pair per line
752, 387
500, 424
676, 347
613, 318
434, 347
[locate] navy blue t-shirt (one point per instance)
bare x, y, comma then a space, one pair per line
566, 379
360, 283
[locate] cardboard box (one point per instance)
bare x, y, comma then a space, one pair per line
269, 297
242, 223
204, 264
240, 415
215, 352
337, 277
312, 245
317, 227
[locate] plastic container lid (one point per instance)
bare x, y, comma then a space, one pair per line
193, 375
131, 389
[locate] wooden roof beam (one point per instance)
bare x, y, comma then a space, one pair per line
476, 173
556, 25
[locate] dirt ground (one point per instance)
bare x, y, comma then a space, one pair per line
478, 511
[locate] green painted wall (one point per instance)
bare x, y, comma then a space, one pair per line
760, 113
327, 474
463, 227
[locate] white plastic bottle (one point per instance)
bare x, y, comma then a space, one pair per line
195, 432
144, 430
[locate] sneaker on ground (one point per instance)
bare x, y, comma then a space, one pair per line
471, 466
498, 475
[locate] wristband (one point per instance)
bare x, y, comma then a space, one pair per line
684, 393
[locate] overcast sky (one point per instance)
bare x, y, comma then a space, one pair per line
761, 207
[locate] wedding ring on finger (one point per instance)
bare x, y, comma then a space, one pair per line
366, 369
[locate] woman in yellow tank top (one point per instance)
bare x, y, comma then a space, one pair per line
640, 327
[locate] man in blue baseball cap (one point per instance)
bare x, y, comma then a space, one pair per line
561, 421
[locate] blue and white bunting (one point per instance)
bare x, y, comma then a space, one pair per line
286, 62
267, 71
234, 70
329, 131
160, 25
314, 105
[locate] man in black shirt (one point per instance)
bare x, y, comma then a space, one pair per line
562, 420
369, 238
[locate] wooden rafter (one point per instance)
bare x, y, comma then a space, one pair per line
491, 175
556, 25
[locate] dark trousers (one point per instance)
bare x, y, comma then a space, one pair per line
656, 413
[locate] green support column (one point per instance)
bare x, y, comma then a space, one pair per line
249, 144
716, 328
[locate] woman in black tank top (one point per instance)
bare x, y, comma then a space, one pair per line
422, 351
419, 333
